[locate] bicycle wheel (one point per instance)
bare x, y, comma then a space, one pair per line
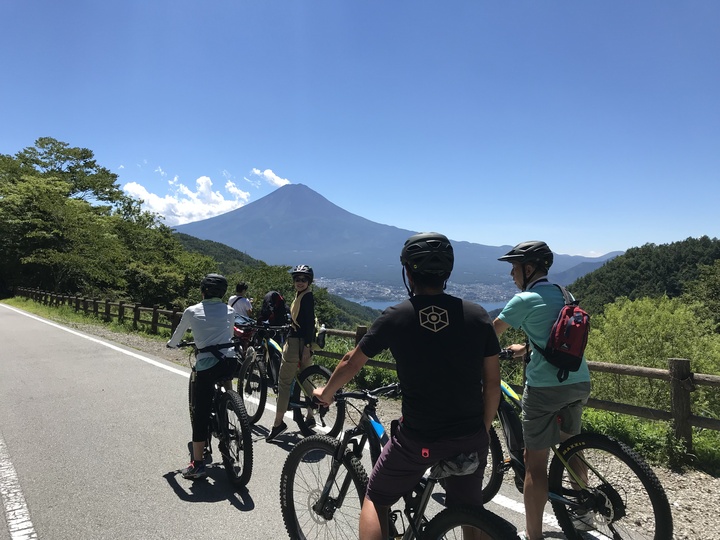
252, 386
451, 523
494, 470
306, 473
235, 438
624, 499
328, 419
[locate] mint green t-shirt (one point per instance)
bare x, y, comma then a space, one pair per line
534, 312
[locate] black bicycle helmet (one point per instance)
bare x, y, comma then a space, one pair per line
214, 286
532, 251
303, 270
428, 253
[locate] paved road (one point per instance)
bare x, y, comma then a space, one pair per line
92, 437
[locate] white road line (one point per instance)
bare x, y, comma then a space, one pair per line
103, 343
16, 510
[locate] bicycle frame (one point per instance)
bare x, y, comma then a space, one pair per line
512, 430
370, 431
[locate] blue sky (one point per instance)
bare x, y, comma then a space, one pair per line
594, 126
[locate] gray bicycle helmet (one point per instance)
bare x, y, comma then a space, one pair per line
428, 253
214, 286
303, 270
532, 251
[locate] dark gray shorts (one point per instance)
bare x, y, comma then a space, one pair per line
403, 462
549, 410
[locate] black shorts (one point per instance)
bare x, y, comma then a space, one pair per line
404, 460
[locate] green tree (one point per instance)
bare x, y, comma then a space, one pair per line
647, 332
647, 271
705, 293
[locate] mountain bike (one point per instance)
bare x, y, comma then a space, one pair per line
596, 483
260, 371
228, 424
323, 483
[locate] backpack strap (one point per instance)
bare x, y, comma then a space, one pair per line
562, 374
235, 301
215, 350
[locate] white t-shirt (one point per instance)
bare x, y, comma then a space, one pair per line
241, 305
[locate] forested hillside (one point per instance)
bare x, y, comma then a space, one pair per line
648, 271
66, 226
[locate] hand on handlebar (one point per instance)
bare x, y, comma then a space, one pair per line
317, 397
506, 354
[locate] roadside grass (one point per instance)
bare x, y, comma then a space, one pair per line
651, 439
67, 314
655, 442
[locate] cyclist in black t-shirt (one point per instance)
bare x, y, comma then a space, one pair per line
446, 353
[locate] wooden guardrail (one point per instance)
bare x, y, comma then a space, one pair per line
679, 376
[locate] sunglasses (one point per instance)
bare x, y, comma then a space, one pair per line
300, 279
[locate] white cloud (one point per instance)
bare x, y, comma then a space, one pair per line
183, 205
268, 176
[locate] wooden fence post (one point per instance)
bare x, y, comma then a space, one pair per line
136, 316
155, 315
175, 320
359, 333
121, 311
108, 318
681, 385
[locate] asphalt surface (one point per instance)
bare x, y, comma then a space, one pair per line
92, 438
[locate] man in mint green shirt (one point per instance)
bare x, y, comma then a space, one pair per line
552, 410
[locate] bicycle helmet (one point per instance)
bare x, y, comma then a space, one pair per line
303, 270
532, 251
214, 286
428, 253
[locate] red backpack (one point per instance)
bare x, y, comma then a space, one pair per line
568, 337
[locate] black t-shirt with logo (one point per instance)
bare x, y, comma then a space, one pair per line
439, 343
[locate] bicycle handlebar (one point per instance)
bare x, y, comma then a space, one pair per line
391, 390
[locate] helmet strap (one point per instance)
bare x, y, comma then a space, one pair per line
410, 291
528, 279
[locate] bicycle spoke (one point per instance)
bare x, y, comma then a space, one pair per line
623, 499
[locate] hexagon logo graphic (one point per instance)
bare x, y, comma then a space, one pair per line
433, 318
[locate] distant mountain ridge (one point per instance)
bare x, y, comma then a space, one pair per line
294, 225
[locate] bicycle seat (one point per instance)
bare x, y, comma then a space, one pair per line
459, 465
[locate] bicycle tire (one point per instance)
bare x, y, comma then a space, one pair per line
305, 473
627, 499
448, 524
236, 446
494, 471
329, 419
252, 386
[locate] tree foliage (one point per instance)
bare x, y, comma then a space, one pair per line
66, 226
647, 332
648, 271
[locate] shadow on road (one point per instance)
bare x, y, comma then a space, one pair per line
214, 488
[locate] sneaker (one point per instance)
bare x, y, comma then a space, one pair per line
310, 422
194, 471
274, 432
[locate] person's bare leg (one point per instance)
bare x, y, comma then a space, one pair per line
535, 491
373, 521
